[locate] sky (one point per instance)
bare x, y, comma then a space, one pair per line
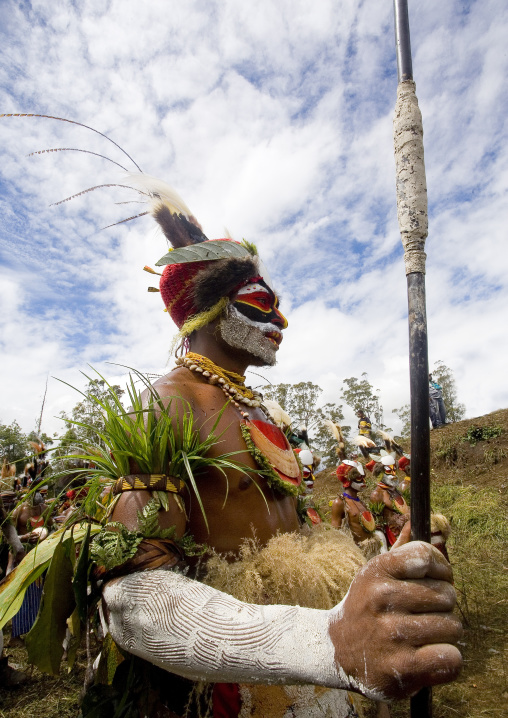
273, 120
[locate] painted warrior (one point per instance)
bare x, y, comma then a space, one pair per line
217, 627
440, 527
395, 511
404, 464
348, 506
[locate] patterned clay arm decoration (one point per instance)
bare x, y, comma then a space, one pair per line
200, 633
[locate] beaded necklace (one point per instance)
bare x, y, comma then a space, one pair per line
231, 383
278, 462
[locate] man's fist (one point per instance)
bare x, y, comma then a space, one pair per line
395, 632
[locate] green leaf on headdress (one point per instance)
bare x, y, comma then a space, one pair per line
205, 251
250, 247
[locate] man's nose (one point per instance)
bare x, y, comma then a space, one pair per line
279, 319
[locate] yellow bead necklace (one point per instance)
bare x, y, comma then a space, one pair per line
231, 383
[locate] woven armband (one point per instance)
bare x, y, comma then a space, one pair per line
148, 482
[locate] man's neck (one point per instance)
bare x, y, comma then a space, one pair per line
209, 344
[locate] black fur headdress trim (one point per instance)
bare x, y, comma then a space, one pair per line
220, 279
179, 230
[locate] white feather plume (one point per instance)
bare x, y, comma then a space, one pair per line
363, 441
159, 191
277, 413
335, 430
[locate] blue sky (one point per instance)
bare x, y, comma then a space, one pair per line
274, 121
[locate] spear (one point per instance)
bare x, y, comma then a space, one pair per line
413, 225
42, 408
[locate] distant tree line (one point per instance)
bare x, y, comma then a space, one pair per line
300, 401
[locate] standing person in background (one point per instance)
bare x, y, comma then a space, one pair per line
436, 407
364, 424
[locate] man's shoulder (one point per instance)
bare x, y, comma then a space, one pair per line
377, 494
183, 385
178, 382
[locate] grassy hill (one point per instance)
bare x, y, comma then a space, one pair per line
469, 475
470, 486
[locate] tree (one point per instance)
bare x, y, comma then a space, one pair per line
299, 401
324, 441
443, 375
360, 394
404, 414
13, 445
88, 412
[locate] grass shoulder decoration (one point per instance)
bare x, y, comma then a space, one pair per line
156, 437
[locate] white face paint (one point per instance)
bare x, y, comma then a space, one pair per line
390, 480
260, 339
358, 485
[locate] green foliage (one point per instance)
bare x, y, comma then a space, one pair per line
299, 401
446, 451
45, 438
377, 510
443, 375
404, 414
80, 578
480, 433
360, 394
148, 522
478, 547
114, 545
32, 566
86, 420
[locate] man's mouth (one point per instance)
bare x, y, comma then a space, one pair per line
275, 337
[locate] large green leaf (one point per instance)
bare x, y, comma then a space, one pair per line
44, 641
80, 580
74, 625
111, 657
31, 567
204, 251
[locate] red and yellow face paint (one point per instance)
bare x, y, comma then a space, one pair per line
259, 305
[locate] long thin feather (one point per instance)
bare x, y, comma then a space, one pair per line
91, 189
75, 149
135, 216
73, 122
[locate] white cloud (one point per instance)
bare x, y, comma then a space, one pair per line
273, 120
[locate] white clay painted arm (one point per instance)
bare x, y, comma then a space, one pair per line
198, 632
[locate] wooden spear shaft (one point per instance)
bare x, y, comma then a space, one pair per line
413, 224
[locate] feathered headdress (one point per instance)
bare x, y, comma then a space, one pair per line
199, 274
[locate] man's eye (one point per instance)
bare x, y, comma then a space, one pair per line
264, 302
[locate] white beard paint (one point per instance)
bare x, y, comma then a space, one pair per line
242, 333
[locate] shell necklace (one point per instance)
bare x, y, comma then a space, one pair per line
231, 383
